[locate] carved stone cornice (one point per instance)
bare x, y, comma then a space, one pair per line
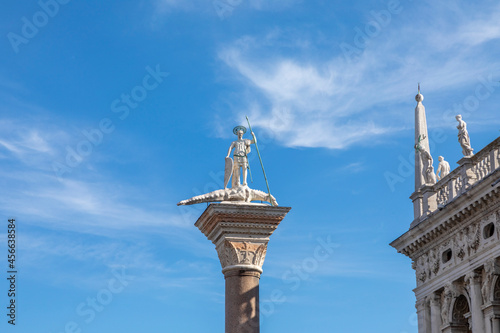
442, 223
240, 233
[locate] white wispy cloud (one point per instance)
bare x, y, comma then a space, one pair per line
333, 102
99, 256
92, 203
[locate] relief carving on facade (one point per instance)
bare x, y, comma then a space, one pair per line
460, 244
465, 243
427, 265
434, 259
422, 267
491, 270
473, 238
450, 292
242, 253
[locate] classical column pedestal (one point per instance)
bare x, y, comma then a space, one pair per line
240, 232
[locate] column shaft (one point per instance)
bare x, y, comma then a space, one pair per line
487, 324
476, 302
496, 325
242, 301
435, 314
423, 315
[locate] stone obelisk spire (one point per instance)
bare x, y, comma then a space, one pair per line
424, 170
421, 142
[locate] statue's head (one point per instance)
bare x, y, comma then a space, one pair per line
458, 117
239, 131
441, 158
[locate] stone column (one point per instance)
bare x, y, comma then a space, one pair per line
496, 324
240, 232
435, 313
474, 284
488, 323
423, 315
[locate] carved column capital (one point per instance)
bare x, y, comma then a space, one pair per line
420, 304
492, 266
240, 233
242, 254
451, 289
471, 279
435, 299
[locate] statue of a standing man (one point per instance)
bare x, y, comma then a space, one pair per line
463, 137
443, 168
241, 150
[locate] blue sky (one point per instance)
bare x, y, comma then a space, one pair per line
113, 111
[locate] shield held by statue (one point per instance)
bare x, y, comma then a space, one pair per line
228, 171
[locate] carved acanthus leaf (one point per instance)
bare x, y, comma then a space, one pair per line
242, 253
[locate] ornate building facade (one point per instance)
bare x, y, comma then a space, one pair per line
454, 239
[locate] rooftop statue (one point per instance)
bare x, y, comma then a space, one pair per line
237, 169
443, 168
426, 158
463, 137
429, 176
